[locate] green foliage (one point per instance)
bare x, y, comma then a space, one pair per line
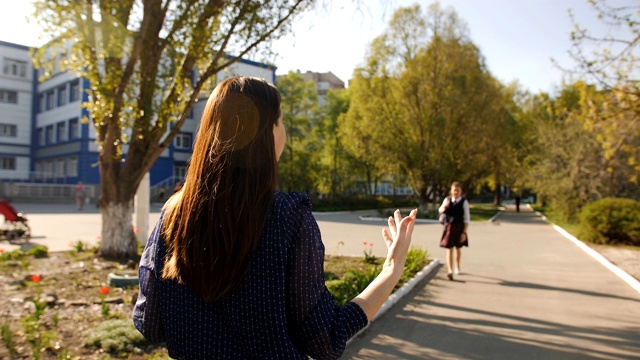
34, 331
38, 251
417, 259
115, 336
7, 338
352, 284
611, 221
360, 202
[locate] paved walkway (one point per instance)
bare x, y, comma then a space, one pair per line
527, 292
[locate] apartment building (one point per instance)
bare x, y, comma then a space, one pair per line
16, 111
324, 82
47, 136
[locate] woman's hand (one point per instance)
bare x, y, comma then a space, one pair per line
397, 236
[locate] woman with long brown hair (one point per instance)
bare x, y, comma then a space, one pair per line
234, 268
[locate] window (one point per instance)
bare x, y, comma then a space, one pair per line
9, 96
59, 170
180, 171
49, 135
15, 67
183, 141
62, 95
72, 166
48, 168
75, 90
50, 103
8, 130
7, 163
41, 137
42, 105
62, 132
74, 129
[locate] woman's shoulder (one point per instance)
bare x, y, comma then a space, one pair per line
292, 200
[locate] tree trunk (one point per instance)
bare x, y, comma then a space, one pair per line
497, 196
423, 200
118, 236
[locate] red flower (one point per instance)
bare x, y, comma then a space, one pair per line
1, 251
370, 244
36, 278
364, 242
104, 290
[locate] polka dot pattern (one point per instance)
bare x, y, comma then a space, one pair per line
282, 310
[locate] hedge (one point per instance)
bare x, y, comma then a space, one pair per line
611, 221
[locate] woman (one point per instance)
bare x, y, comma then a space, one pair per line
456, 209
234, 268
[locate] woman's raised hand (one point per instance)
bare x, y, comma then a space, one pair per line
397, 236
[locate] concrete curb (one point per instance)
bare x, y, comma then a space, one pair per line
400, 293
633, 282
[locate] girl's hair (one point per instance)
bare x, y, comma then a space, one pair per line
212, 226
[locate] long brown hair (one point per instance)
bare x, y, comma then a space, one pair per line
213, 225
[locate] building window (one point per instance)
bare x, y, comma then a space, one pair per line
62, 132
59, 170
41, 137
72, 166
8, 130
7, 163
183, 141
49, 135
180, 171
75, 90
48, 169
15, 67
74, 129
9, 96
50, 102
62, 95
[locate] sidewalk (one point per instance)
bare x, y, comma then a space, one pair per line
526, 293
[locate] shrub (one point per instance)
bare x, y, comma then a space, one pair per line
353, 283
611, 221
39, 251
416, 260
115, 336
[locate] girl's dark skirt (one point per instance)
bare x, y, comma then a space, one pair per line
451, 236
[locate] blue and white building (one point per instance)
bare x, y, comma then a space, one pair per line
46, 136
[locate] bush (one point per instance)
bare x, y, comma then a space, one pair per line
39, 251
611, 221
360, 202
115, 336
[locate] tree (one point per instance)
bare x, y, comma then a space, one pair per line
147, 61
337, 167
297, 166
422, 102
612, 60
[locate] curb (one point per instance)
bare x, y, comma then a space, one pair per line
633, 282
400, 293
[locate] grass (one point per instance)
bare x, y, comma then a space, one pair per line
570, 227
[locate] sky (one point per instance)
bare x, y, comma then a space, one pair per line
518, 38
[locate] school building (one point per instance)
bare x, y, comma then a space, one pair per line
46, 136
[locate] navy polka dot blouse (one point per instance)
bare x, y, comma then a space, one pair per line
282, 310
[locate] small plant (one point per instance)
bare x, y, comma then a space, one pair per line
105, 308
39, 251
78, 246
369, 258
7, 338
115, 336
37, 339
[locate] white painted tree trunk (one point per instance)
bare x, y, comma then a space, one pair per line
118, 237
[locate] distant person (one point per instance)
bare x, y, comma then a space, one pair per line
161, 194
456, 209
80, 196
517, 201
234, 267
